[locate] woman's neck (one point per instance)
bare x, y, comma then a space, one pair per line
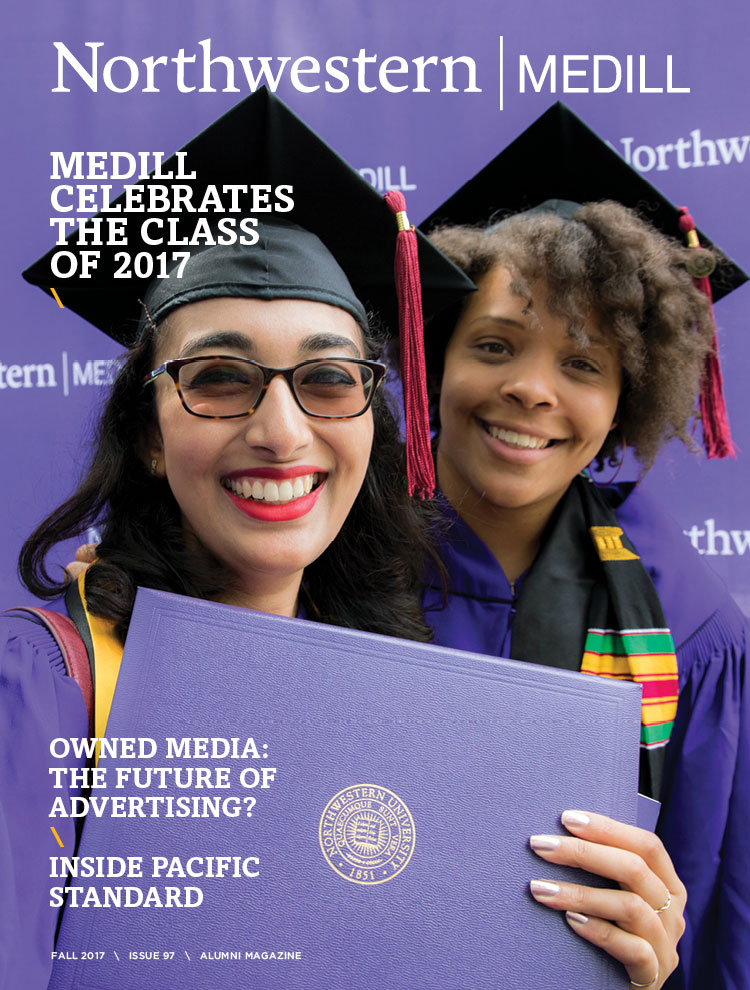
514, 535
279, 597
269, 590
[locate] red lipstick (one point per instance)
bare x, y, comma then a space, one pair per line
278, 512
274, 473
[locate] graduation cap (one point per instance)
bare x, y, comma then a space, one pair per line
557, 164
336, 245
259, 142
559, 158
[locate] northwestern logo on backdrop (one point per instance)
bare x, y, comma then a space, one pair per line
694, 151
64, 373
714, 541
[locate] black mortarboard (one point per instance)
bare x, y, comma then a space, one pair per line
337, 245
559, 158
559, 163
258, 142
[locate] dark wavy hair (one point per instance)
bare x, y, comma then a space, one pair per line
607, 261
368, 578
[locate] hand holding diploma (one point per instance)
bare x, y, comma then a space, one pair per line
639, 924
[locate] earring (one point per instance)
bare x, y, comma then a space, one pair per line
153, 466
623, 451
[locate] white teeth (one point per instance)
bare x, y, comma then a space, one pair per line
523, 441
272, 491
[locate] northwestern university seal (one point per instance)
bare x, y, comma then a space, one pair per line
367, 834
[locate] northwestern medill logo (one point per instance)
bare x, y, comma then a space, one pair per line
367, 834
69, 373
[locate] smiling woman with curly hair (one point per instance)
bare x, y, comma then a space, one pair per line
610, 262
587, 337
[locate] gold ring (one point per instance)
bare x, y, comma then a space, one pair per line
649, 984
663, 908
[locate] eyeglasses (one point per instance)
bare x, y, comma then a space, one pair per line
222, 387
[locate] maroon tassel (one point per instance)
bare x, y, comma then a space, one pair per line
420, 469
717, 439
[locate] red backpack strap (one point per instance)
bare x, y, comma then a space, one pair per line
72, 648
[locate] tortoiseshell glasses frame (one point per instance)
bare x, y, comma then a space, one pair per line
223, 386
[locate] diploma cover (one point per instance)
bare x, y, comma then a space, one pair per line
391, 839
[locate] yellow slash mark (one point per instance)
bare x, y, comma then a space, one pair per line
61, 307
59, 840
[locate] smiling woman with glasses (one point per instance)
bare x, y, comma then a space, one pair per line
246, 455
207, 429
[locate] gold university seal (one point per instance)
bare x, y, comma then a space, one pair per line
367, 834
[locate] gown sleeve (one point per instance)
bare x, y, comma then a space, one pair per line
38, 703
705, 816
706, 805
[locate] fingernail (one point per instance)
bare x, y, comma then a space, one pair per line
543, 888
544, 841
575, 818
577, 919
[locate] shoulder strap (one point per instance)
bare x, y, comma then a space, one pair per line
105, 650
72, 649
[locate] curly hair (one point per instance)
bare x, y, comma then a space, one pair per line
607, 261
368, 578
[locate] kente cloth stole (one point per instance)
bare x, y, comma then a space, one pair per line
589, 604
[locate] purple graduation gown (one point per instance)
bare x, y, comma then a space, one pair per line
38, 703
705, 817
706, 810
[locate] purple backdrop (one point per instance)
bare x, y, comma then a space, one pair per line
52, 365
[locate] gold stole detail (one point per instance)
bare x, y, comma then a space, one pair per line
107, 658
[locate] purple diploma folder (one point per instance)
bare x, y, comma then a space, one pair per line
294, 805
